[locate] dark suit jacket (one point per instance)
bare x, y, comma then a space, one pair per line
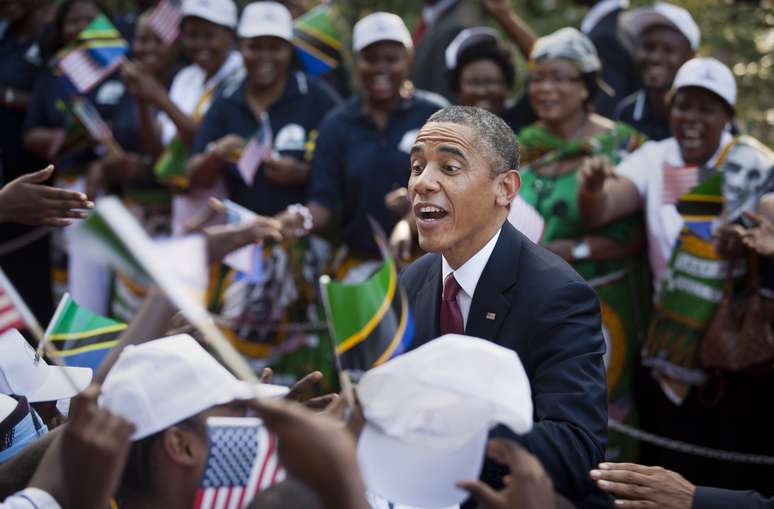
618, 69
548, 315
716, 498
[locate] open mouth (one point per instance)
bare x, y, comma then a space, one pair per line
692, 138
429, 213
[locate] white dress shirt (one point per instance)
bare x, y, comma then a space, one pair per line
468, 275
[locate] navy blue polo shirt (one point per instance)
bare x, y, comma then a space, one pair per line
634, 110
19, 65
45, 110
355, 164
294, 119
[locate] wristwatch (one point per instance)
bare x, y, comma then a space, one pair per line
581, 250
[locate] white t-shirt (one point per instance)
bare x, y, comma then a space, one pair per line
643, 168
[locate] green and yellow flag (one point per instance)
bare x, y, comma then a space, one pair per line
317, 40
82, 338
370, 321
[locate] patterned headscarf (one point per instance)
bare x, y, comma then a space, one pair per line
568, 44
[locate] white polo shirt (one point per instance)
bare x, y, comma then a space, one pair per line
189, 88
643, 168
193, 93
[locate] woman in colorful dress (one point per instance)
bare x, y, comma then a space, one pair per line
693, 188
561, 86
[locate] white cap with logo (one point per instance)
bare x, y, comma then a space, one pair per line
710, 74
270, 19
380, 26
637, 21
157, 384
220, 12
24, 373
428, 413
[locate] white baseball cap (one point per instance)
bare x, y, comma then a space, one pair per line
24, 373
637, 21
428, 413
220, 12
380, 26
266, 19
467, 38
710, 74
157, 384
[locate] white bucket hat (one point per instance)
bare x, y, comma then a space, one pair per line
162, 382
637, 21
428, 413
266, 19
380, 26
220, 12
710, 74
24, 373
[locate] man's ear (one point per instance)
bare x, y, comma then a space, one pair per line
182, 445
508, 188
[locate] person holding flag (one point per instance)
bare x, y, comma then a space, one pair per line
694, 189
54, 131
207, 39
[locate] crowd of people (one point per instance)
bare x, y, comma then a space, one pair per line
643, 308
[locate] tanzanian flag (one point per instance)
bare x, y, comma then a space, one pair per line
370, 321
82, 338
317, 41
170, 168
98, 50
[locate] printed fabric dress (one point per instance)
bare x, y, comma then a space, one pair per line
622, 285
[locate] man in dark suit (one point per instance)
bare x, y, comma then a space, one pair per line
485, 279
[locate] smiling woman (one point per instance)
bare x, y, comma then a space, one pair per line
561, 87
694, 189
362, 153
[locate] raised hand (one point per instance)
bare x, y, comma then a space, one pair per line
527, 487
761, 237
83, 466
593, 173
26, 200
316, 450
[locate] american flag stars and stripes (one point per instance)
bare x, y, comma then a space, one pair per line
242, 461
525, 218
164, 20
82, 70
678, 180
10, 318
252, 155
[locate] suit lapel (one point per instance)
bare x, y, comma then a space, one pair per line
490, 305
427, 306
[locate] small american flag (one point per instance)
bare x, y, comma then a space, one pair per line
82, 70
10, 318
526, 219
256, 150
91, 119
678, 180
165, 21
242, 461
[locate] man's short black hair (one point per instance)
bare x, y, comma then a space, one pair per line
494, 135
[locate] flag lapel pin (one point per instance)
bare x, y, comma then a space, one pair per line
491, 316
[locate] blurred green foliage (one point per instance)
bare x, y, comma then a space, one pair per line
737, 32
